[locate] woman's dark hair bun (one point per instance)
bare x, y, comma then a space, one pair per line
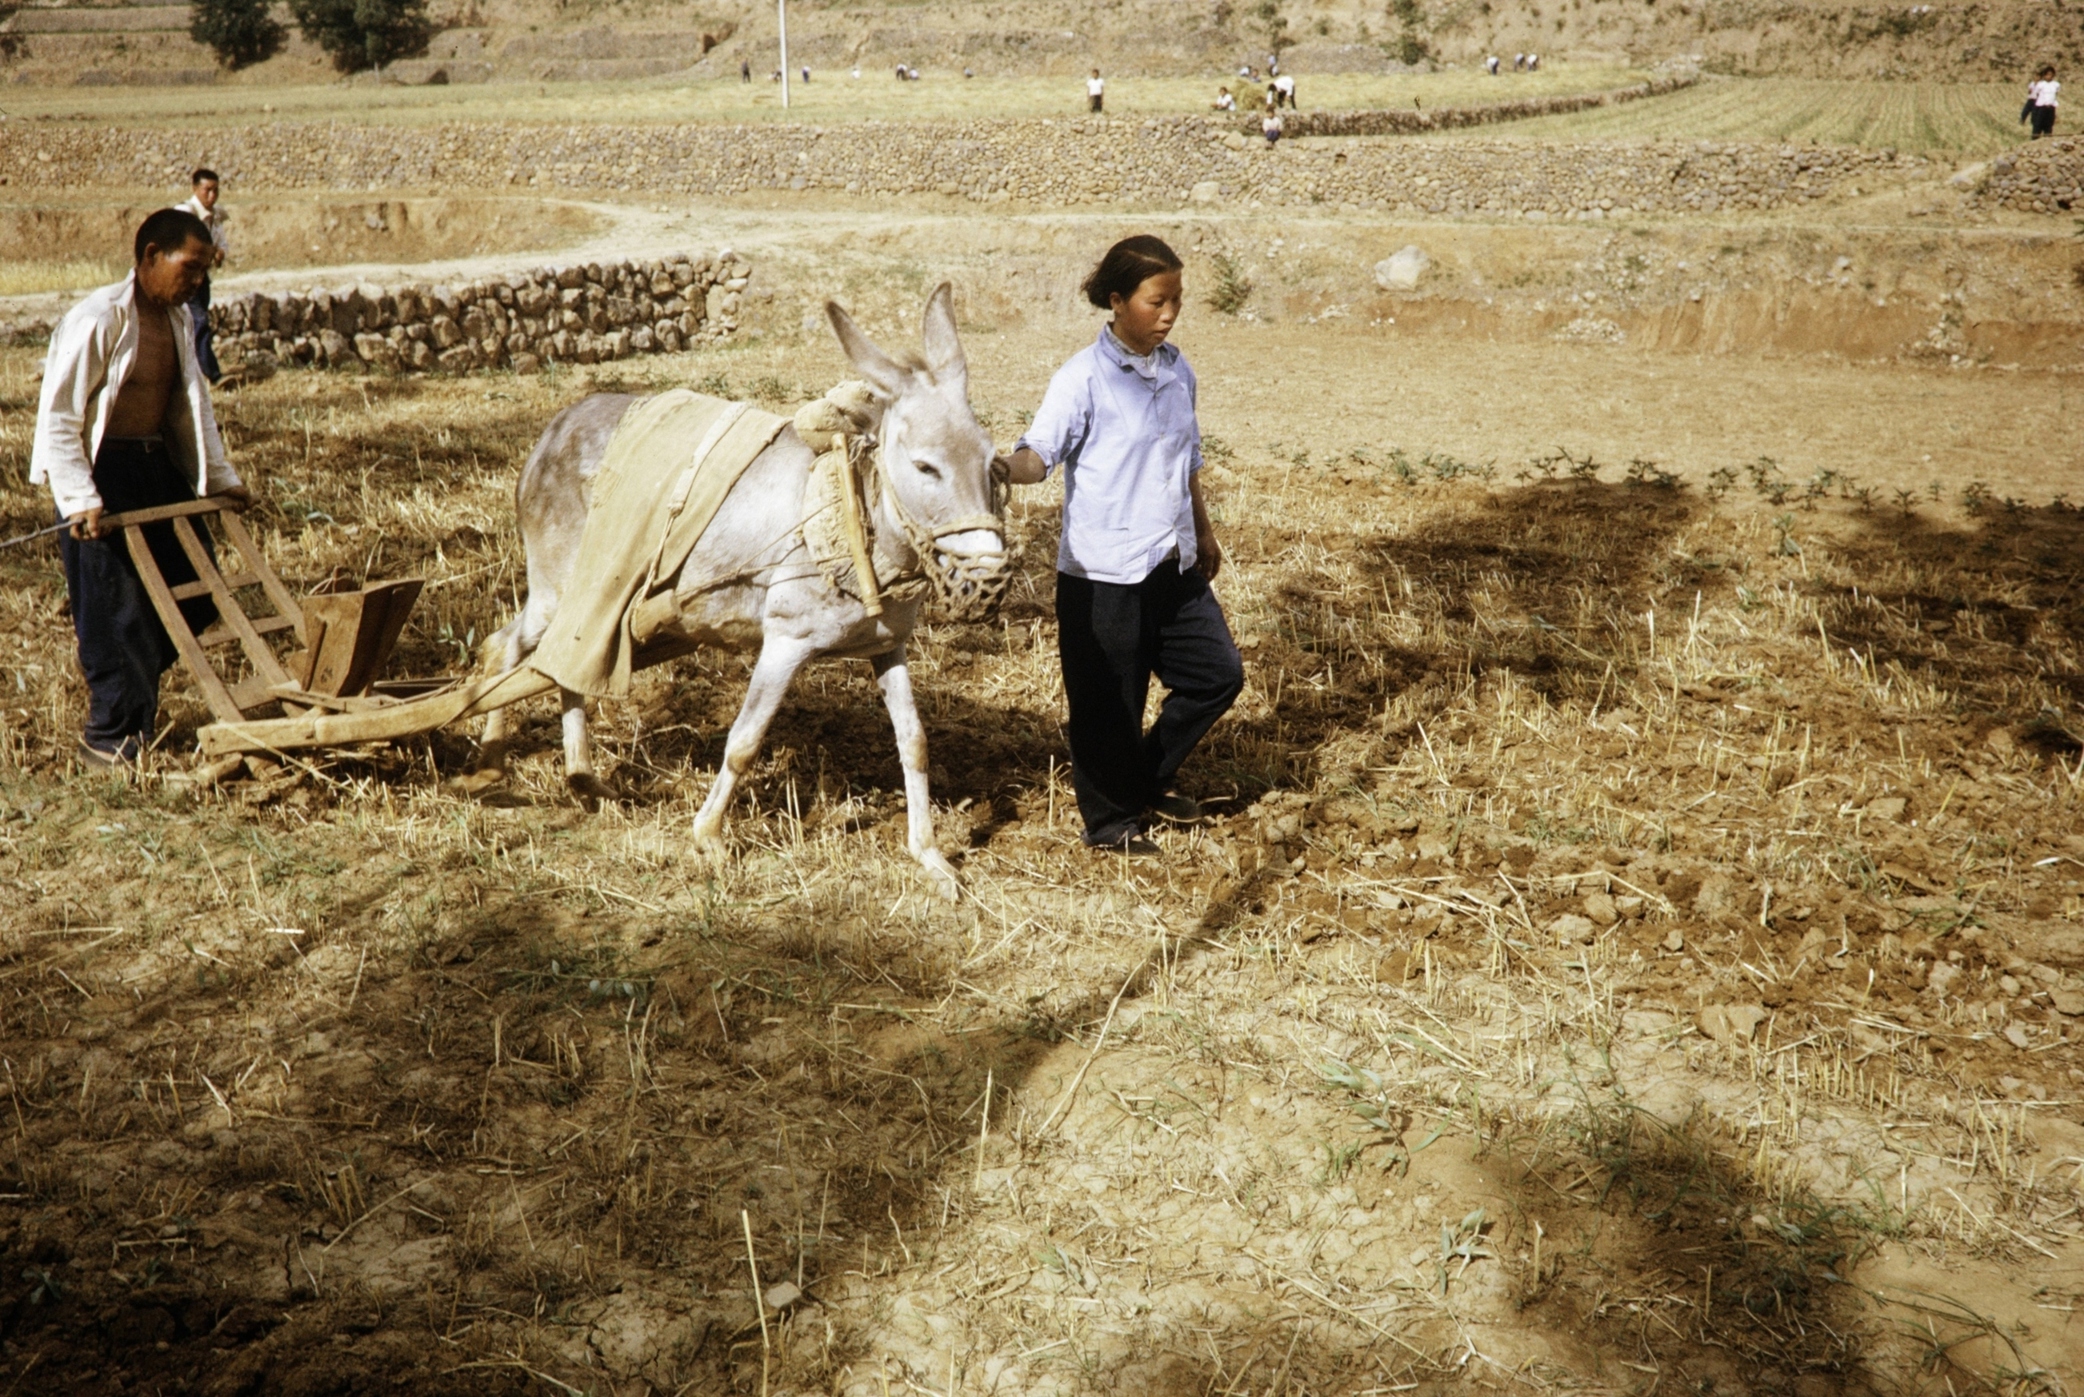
1127, 265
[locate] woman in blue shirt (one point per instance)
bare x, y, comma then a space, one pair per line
1138, 552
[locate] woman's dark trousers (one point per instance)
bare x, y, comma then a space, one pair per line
1112, 639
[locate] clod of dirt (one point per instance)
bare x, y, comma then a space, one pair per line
1437, 846
2057, 943
1731, 1023
1718, 894
1600, 908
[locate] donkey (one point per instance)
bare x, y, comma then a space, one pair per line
758, 586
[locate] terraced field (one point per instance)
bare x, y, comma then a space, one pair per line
1972, 118
831, 96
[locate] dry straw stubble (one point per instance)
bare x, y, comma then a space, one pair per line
339, 1070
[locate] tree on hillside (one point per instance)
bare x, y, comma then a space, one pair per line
239, 32
1411, 46
358, 34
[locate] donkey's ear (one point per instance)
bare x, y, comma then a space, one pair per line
882, 373
943, 345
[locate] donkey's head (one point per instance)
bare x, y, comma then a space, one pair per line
936, 459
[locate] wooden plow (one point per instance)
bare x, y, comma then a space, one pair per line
327, 692
328, 689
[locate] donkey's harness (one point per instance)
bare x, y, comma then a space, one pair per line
838, 527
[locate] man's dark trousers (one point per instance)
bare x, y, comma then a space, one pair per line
123, 647
205, 337
1112, 638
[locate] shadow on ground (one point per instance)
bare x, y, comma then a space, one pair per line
540, 1131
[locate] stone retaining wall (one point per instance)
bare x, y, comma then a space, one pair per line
121, 19
1045, 163
570, 314
2044, 177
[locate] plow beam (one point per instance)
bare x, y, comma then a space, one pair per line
381, 723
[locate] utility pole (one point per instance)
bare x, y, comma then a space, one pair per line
782, 8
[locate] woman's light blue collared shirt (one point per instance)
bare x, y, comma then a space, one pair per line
1122, 426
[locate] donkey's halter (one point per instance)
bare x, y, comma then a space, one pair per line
839, 527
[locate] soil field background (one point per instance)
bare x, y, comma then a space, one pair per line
1638, 947
278, 235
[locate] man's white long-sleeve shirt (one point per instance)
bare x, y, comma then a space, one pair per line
91, 354
213, 219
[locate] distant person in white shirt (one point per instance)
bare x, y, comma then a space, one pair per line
1284, 91
202, 202
2040, 103
1224, 101
1533, 62
1270, 127
1095, 91
1490, 65
1138, 552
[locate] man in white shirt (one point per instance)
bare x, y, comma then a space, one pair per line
1284, 89
124, 422
202, 202
1095, 91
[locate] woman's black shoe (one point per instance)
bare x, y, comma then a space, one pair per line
1179, 809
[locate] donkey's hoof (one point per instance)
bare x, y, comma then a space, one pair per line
477, 783
941, 875
710, 845
589, 788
